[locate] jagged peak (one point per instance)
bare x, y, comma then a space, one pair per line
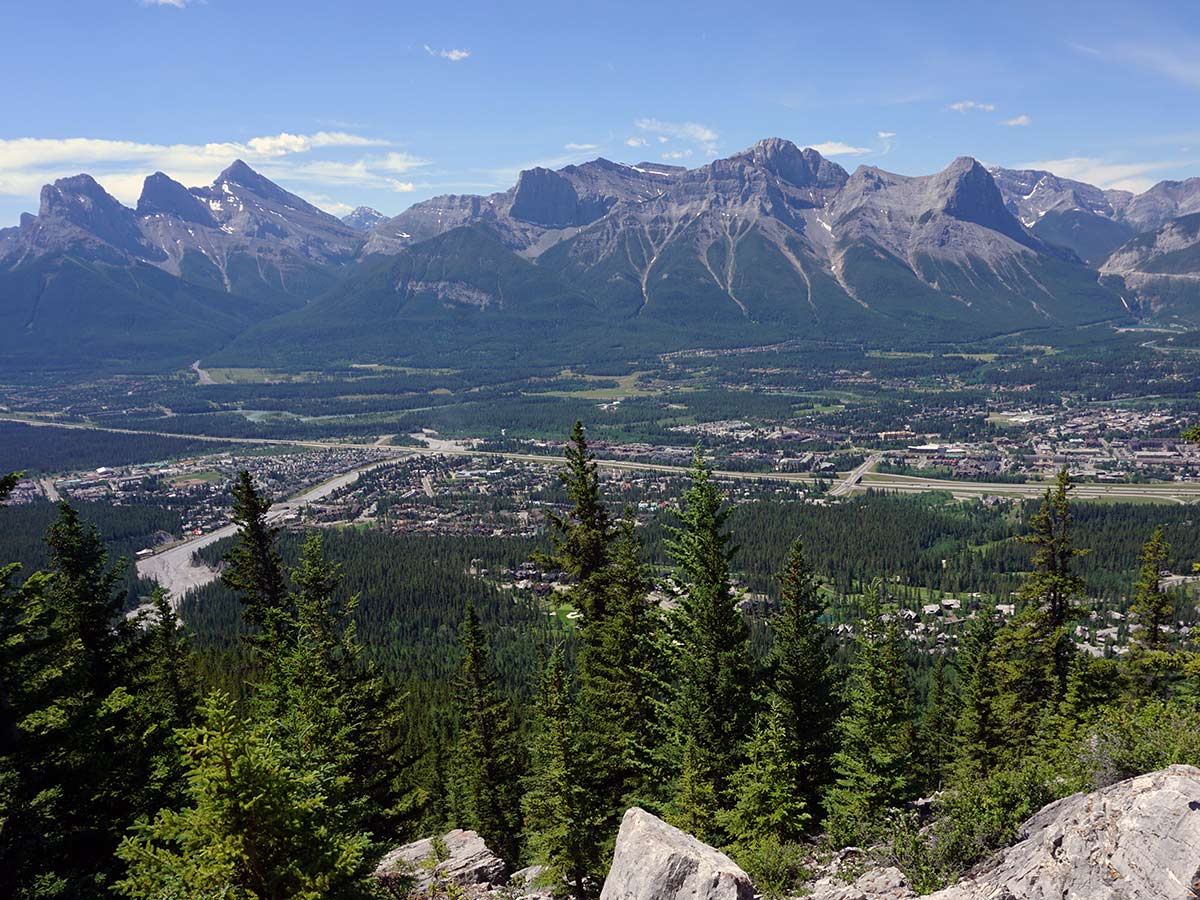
64, 192
163, 195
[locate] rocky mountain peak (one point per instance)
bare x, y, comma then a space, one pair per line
364, 218
545, 198
970, 194
162, 195
802, 168
83, 203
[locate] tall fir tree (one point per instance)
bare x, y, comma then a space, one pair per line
770, 806
713, 702
559, 813
582, 539
874, 760
936, 727
803, 679
485, 776
979, 735
1033, 652
254, 569
1152, 607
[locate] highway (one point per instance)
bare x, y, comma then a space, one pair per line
848, 484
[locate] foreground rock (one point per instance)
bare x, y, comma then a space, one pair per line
1135, 840
469, 863
657, 861
876, 884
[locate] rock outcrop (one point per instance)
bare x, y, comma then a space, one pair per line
656, 861
876, 884
1138, 839
468, 863
1135, 840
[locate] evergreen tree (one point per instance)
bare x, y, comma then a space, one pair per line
802, 678
331, 702
1053, 589
979, 732
582, 538
485, 777
1152, 607
84, 731
769, 807
254, 568
84, 593
561, 834
258, 825
713, 702
1034, 651
936, 729
616, 706
874, 762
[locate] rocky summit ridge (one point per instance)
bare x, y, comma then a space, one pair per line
774, 242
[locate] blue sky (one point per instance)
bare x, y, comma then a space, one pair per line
387, 103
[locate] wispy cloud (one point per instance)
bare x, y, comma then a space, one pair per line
684, 131
677, 154
1180, 64
887, 137
176, 4
1017, 121
582, 148
454, 54
1137, 176
635, 142
838, 148
963, 106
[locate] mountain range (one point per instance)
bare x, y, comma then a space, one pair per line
601, 259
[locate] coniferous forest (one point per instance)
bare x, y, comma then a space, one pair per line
276, 733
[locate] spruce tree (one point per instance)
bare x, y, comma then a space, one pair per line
582, 538
802, 678
254, 568
258, 824
979, 731
769, 808
561, 833
1152, 607
1034, 651
485, 777
936, 728
874, 761
713, 703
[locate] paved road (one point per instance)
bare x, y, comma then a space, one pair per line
850, 482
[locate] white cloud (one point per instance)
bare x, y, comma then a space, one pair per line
886, 137
963, 106
454, 54
580, 147
677, 154
1018, 121
684, 131
1136, 177
176, 4
837, 148
635, 142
